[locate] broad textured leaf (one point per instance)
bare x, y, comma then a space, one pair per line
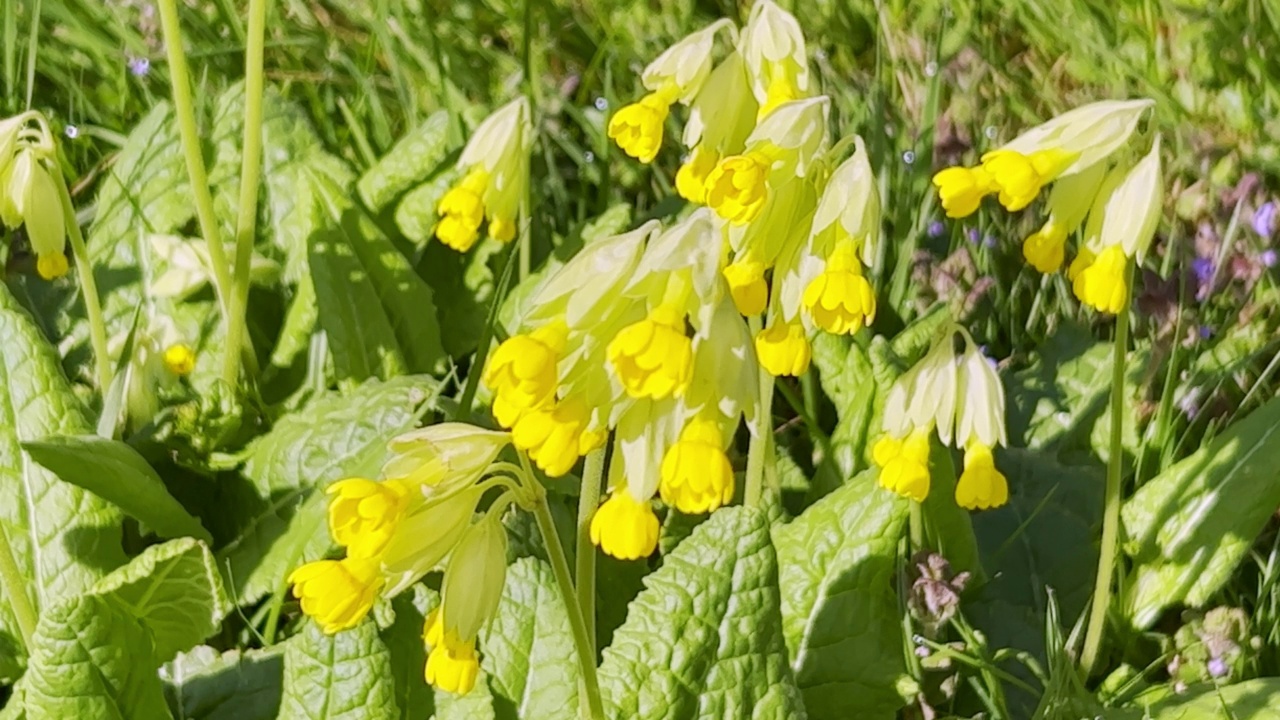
417, 213
236, 685
175, 591
414, 697
839, 612
949, 527
1189, 527
412, 159
465, 283
379, 315
92, 659
704, 639
62, 538
345, 676
1042, 541
528, 647
116, 472
280, 523
476, 705
1250, 700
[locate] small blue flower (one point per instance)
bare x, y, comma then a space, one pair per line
1203, 269
936, 229
1206, 332
972, 235
1218, 667
139, 67
1264, 219
1267, 258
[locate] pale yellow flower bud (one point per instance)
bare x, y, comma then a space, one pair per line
685, 65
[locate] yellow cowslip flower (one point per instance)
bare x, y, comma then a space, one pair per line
637, 128
179, 359
691, 178
737, 188
747, 286
1128, 206
840, 300
33, 199
363, 514
1017, 178
1069, 203
981, 485
961, 189
696, 474
461, 211
849, 209
556, 435
453, 668
495, 167
624, 527
774, 49
1101, 281
926, 395
653, 358
443, 456
980, 406
426, 533
783, 349
337, 593
522, 371
583, 292
904, 464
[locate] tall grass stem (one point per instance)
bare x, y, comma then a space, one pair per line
88, 285
584, 575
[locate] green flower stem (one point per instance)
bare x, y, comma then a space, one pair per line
1111, 502
592, 708
33, 42
584, 577
915, 525
757, 451
88, 285
250, 175
15, 590
184, 108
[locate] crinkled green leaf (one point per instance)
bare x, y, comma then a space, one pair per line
280, 522
175, 591
1190, 526
840, 615
236, 685
1250, 700
91, 658
378, 314
411, 160
914, 340
949, 527
342, 676
403, 638
465, 282
116, 472
528, 646
476, 705
62, 538
704, 639
417, 214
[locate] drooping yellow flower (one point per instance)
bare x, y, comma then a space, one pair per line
522, 371
691, 178
904, 464
1046, 248
696, 474
1017, 178
653, 358
840, 300
556, 435
747, 286
461, 211
337, 593
1069, 203
624, 527
979, 416
961, 189
453, 668
737, 189
1101, 282
774, 49
926, 395
363, 514
637, 128
721, 118
981, 485
179, 359
781, 89
33, 196
783, 349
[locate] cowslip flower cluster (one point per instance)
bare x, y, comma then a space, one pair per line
958, 396
494, 170
398, 528
800, 226
1085, 155
29, 193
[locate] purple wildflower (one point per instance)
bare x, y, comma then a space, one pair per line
972, 234
1203, 268
1189, 404
989, 241
1218, 667
936, 229
1267, 258
140, 66
1206, 332
1264, 219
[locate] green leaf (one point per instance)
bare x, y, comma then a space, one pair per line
116, 473
174, 590
91, 658
379, 316
475, 705
414, 697
467, 280
948, 527
839, 612
1190, 526
278, 523
704, 639
411, 160
236, 685
345, 675
417, 214
62, 538
1250, 700
528, 646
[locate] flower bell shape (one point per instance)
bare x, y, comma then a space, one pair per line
981, 486
555, 436
653, 358
1068, 144
1069, 203
747, 286
443, 456
1101, 281
522, 371
721, 118
849, 209
980, 404
774, 49
469, 595
337, 593
840, 300
426, 533
624, 527
925, 395
696, 474
495, 175
363, 514
783, 349
1127, 209
31, 197
904, 464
